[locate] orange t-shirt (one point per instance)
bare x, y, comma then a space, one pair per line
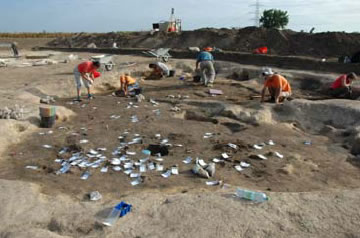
278, 81
127, 79
86, 67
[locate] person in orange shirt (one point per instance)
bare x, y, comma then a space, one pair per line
84, 75
129, 86
279, 88
341, 87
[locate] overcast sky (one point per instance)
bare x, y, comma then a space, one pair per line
134, 15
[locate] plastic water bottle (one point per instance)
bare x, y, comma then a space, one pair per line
251, 195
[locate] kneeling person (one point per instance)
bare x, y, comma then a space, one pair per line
160, 70
129, 86
341, 87
278, 86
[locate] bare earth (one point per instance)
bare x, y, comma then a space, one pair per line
313, 190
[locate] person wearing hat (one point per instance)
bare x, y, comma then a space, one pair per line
84, 75
279, 88
160, 70
206, 61
341, 87
129, 86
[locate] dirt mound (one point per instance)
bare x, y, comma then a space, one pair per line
286, 42
13, 132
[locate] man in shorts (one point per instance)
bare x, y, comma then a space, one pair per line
84, 76
279, 88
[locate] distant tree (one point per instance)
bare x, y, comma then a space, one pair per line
274, 18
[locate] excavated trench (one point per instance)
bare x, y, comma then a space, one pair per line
327, 161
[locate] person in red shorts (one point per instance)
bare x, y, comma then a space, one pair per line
279, 88
84, 75
341, 87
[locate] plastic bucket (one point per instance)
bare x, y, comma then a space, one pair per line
47, 115
47, 122
47, 111
172, 73
197, 78
97, 74
138, 91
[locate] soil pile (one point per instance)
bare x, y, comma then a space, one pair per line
286, 42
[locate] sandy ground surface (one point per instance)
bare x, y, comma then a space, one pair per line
313, 189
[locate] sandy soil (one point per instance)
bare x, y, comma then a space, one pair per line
320, 166
201, 214
313, 189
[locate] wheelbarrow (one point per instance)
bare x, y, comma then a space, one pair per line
160, 54
105, 60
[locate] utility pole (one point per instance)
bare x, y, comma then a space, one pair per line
256, 13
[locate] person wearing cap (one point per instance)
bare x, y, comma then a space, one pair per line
341, 87
160, 70
84, 75
279, 88
206, 61
129, 86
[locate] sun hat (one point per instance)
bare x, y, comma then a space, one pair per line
267, 71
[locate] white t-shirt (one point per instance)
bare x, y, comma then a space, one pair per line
164, 68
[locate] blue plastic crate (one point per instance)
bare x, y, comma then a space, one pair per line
124, 208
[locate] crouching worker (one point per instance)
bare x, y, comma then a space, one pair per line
278, 86
206, 61
129, 86
159, 71
341, 87
84, 75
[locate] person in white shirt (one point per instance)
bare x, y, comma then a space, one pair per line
160, 70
